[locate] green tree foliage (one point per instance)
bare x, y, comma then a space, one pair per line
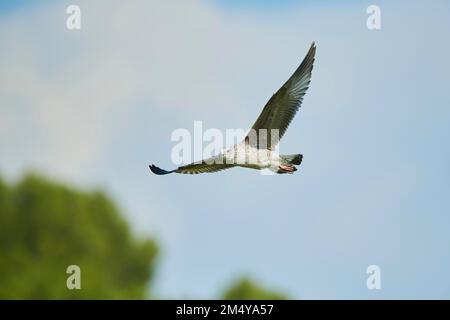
246, 289
45, 227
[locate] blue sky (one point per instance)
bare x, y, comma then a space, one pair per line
101, 103
8, 6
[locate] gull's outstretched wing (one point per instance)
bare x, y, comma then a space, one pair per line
213, 164
284, 104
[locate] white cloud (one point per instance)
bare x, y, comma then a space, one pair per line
66, 94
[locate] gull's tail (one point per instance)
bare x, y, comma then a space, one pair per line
292, 158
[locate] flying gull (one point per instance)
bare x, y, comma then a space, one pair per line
256, 151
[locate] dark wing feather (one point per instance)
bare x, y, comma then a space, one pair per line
284, 104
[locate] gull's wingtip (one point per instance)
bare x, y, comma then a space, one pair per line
158, 171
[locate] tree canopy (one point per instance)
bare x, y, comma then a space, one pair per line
46, 227
246, 289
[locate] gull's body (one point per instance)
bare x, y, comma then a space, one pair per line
258, 151
253, 157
